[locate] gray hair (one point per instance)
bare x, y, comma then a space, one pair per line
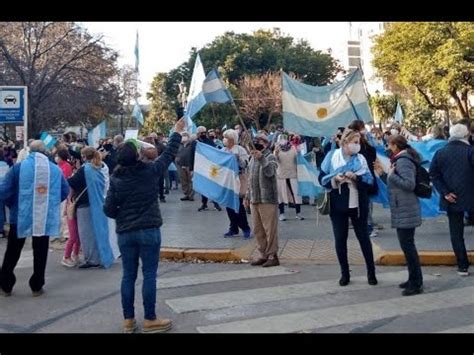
118, 139
231, 134
201, 129
37, 146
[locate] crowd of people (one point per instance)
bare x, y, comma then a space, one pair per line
104, 200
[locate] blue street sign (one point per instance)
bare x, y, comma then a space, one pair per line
13, 104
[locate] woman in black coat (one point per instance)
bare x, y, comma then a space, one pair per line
132, 200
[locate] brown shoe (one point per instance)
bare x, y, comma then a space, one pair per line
156, 326
129, 326
272, 262
258, 262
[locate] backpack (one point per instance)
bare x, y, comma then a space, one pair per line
423, 188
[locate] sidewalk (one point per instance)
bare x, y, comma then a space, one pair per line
201, 237
189, 234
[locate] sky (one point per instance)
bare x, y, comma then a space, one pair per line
166, 45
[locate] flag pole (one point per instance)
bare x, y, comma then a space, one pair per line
242, 123
367, 92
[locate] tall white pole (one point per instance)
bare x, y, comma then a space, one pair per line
25, 120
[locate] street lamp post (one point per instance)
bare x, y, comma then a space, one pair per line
121, 112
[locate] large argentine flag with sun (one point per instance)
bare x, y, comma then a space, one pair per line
216, 175
317, 111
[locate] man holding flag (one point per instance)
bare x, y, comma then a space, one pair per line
262, 197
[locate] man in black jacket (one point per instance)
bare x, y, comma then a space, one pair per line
132, 200
452, 171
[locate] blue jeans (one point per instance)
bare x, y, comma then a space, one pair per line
145, 245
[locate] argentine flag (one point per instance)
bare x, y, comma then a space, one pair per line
137, 113
48, 140
196, 99
399, 113
317, 111
216, 175
307, 174
95, 134
214, 88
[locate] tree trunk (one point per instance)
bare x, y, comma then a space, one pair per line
459, 103
269, 120
430, 103
465, 102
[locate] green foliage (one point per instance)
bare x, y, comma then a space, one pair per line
383, 106
161, 116
434, 58
419, 117
235, 55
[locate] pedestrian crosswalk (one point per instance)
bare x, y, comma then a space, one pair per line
233, 303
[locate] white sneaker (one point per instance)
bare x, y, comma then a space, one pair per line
299, 216
282, 217
373, 234
463, 272
68, 262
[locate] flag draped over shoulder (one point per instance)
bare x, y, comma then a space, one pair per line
96, 133
104, 228
318, 111
216, 175
307, 175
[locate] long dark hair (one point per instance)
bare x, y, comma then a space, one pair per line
401, 143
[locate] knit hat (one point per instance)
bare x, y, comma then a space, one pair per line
458, 131
134, 142
128, 153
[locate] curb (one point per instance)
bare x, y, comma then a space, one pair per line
208, 254
432, 258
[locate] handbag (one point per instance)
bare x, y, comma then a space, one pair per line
323, 203
71, 206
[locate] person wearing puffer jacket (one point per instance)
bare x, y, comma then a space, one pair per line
132, 200
405, 208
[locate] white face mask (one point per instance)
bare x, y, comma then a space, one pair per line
354, 148
184, 139
56, 159
363, 132
394, 132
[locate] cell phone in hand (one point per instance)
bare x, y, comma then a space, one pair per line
179, 113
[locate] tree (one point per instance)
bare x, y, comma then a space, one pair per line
260, 97
434, 58
420, 117
237, 55
69, 74
161, 115
383, 106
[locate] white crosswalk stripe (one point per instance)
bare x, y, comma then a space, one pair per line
198, 279
334, 316
278, 293
466, 329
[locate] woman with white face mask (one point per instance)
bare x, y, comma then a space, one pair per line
237, 220
348, 177
287, 182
